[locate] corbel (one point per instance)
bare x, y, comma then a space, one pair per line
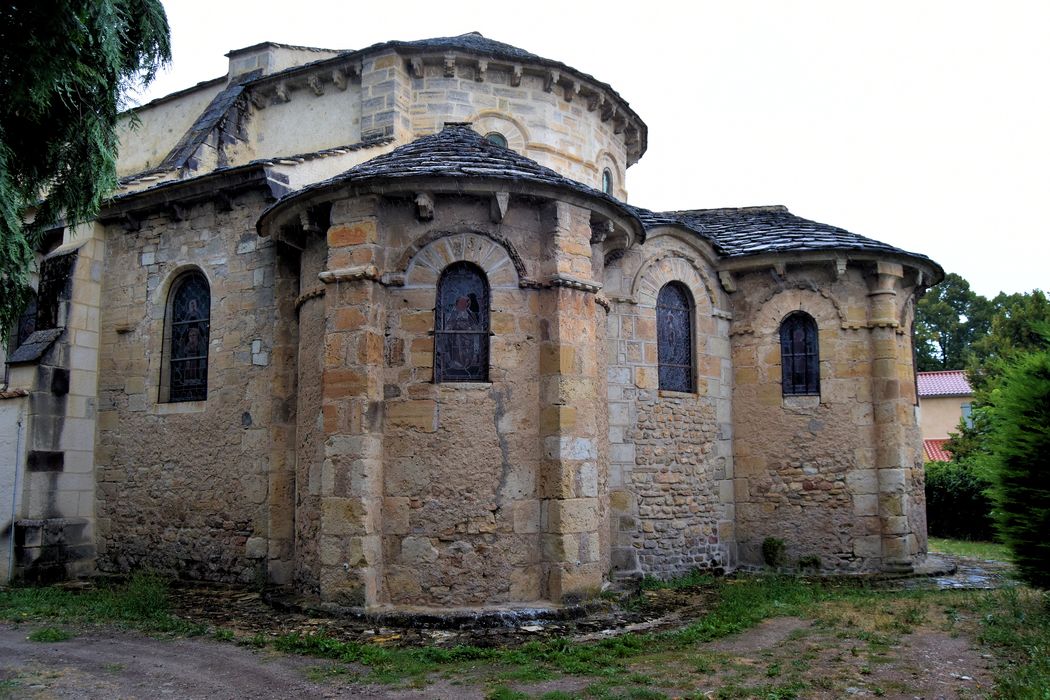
130, 222
608, 111
779, 271
450, 65
840, 267
550, 80
630, 138
596, 101
515, 75
727, 280
280, 92
223, 201
424, 206
175, 211
572, 91
415, 67
619, 123
316, 85
339, 78
601, 230
483, 68
308, 221
498, 206
257, 100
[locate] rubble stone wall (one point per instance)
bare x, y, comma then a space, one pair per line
807, 467
671, 465
182, 487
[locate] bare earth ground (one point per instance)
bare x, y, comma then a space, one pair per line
841, 652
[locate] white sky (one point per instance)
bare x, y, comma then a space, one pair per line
925, 124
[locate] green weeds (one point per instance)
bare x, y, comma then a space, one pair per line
49, 634
141, 602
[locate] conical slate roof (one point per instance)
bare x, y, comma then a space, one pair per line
739, 232
459, 152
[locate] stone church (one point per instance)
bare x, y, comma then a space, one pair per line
380, 326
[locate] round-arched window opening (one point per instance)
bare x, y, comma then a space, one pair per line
497, 138
607, 181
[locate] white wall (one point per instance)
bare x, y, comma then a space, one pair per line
12, 465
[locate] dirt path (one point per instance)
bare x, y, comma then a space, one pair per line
110, 664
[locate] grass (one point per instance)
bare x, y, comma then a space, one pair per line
141, 603
864, 624
49, 634
974, 550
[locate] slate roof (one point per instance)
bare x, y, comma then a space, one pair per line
935, 452
472, 41
950, 382
457, 151
34, 347
747, 231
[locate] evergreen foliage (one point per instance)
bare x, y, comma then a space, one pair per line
948, 319
65, 66
1018, 445
957, 501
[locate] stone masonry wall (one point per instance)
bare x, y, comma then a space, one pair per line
806, 466
182, 487
671, 454
539, 123
461, 507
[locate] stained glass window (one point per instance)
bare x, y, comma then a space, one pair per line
799, 355
674, 336
607, 181
461, 325
190, 324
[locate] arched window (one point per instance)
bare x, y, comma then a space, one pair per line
461, 325
189, 311
799, 355
497, 138
607, 181
674, 337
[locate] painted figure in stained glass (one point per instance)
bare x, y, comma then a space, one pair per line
189, 340
462, 325
674, 337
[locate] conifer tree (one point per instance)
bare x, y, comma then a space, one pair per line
65, 66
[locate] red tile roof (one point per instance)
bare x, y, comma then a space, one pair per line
950, 382
935, 451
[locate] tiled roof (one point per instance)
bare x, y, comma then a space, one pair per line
744, 231
457, 151
934, 450
950, 382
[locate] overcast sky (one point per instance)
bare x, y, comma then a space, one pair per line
922, 124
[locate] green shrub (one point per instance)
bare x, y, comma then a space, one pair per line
773, 551
958, 505
1019, 460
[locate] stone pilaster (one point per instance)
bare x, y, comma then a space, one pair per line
570, 388
351, 408
889, 405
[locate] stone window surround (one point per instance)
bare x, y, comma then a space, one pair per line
812, 387
160, 324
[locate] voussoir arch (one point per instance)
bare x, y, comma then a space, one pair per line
423, 261
671, 266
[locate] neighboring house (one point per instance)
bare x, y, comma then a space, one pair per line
945, 399
380, 325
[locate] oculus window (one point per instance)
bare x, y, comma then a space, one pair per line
497, 138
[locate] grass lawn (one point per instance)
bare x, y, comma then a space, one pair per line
835, 635
966, 548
